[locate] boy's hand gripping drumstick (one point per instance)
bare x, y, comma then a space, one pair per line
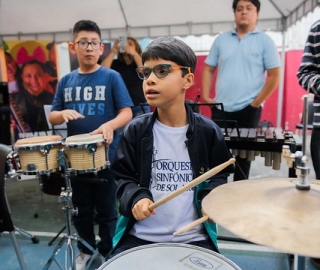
193, 183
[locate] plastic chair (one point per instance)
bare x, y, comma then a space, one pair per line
5, 217
299, 126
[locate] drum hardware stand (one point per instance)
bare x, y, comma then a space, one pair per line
11, 174
91, 149
299, 157
57, 235
302, 172
66, 196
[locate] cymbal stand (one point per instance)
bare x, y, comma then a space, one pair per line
69, 238
302, 171
300, 159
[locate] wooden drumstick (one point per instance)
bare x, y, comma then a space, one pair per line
191, 225
193, 183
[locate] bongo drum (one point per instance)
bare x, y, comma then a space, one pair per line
171, 256
38, 155
86, 153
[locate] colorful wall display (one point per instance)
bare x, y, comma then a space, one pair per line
32, 78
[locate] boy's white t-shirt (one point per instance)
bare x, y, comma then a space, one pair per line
171, 169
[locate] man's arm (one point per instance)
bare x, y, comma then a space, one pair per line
268, 88
109, 59
131, 49
308, 73
207, 77
137, 59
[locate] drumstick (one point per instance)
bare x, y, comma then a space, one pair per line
193, 183
191, 225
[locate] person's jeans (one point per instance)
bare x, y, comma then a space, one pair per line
248, 117
130, 241
90, 195
315, 151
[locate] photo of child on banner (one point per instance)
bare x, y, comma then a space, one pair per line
31, 68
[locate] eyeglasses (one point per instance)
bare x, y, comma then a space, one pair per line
95, 45
161, 70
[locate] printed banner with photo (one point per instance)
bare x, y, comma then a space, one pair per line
32, 79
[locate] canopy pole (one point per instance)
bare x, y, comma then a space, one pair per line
281, 84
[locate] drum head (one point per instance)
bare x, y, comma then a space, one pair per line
37, 140
169, 257
84, 138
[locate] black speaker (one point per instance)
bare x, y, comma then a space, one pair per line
5, 137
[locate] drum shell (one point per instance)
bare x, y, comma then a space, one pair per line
86, 153
169, 256
38, 155
80, 159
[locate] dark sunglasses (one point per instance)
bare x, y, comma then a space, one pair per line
161, 70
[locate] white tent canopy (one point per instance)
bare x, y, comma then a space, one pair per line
53, 20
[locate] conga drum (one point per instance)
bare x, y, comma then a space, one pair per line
86, 153
38, 155
168, 256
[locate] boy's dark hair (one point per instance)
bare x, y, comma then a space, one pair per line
33, 62
171, 49
85, 25
256, 3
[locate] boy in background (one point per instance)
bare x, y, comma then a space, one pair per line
92, 99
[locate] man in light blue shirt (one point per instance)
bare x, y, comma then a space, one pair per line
242, 57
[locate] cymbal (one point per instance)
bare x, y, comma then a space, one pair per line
269, 212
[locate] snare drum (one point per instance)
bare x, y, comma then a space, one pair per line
38, 155
170, 257
86, 153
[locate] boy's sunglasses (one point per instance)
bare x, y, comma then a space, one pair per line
161, 70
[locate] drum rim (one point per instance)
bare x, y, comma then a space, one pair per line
193, 247
34, 145
40, 172
94, 137
49, 139
93, 170
82, 144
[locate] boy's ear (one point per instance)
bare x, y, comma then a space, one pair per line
72, 47
189, 80
101, 48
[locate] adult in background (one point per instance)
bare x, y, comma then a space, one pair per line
309, 79
241, 56
51, 66
126, 64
